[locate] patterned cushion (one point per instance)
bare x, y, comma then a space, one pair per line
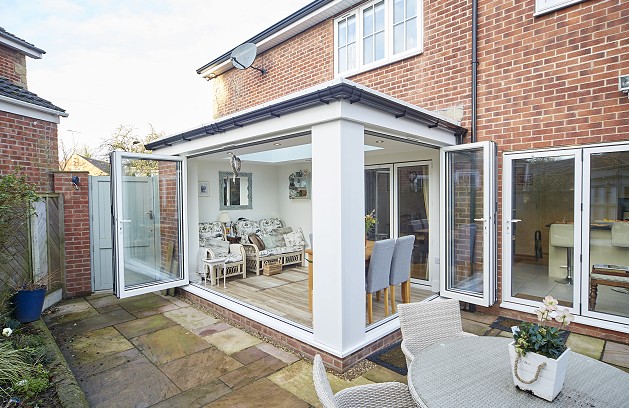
295, 239
273, 251
219, 248
208, 231
246, 227
234, 258
257, 241
273, 240
269, 224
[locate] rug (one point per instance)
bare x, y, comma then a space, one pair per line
390, 357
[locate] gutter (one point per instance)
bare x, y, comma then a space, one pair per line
32, 106
333, 93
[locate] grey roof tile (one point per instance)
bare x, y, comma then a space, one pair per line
6, 34
10, 90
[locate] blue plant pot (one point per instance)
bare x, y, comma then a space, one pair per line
29, 304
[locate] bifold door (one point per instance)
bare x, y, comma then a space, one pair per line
148, 201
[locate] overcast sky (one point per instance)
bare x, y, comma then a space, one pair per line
132, 62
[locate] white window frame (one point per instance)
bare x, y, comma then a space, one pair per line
389, 57
546, 6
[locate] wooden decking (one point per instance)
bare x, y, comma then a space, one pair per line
286, 294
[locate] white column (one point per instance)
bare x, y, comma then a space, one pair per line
338, 204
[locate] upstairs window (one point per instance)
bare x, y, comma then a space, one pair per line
546, 6
377, 33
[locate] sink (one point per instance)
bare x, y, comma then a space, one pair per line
620, 234
562, 235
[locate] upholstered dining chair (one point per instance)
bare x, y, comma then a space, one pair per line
426, 323
401, 269
378, 274
389, 394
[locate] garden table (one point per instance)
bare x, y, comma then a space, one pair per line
476, 372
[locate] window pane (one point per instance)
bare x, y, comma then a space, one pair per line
542, 247
609, 233
368, 22
398, 38
351, 56
379, 46
367, 50
398, 11
379, 9
411, 8
411, 34
342, 59
351, 29
342, 33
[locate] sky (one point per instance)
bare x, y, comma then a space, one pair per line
132, 62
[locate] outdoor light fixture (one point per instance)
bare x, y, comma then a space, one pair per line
623, 84
75, 181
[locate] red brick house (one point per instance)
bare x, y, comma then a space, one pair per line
28, 144
494, 132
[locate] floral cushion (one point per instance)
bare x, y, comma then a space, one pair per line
209, 231
273, 240
269, 224
295, 239
246, 227
237, 257
219, 248
273, 251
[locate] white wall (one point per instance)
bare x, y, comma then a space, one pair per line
294, 213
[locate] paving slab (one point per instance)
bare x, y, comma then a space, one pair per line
94, 322
150, 312
252, 372
487, 319
138, 327
380, 374
278, 353
191, 318
473, 327
67, 312
85, 370
586, 345
136, 383
232, 340
297, 379
215, 328
99, 301
260, 394
109, 308
199, 368
616, 354
197, 397
136, 305
97, 344
169, 344
249, 355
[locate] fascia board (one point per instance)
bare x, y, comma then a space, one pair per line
18, 46
29, 110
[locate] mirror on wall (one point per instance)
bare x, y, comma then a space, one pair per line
235, 192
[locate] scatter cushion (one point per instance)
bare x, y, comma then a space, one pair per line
273, 240
295, 239
246, 227
269, 224
219, 248
234, 258
283, 230
257, 241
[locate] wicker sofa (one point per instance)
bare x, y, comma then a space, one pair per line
281, 244
212, 245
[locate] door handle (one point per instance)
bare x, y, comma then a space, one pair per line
125, 220
479, 219
516, 220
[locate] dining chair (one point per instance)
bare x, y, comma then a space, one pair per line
401, 269
378, 274
389, 394
426, 323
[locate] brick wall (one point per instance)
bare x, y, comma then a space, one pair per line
436, 79
30, 146
78, 277
13, 65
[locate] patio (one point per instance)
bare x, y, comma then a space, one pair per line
156, 350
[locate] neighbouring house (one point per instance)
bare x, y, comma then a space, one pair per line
94, 167
55, 245
495, 133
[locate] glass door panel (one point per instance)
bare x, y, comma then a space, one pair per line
378, 201
606, 241
468, 209
148, 223
412, 213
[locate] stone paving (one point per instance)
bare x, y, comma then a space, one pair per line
159, 351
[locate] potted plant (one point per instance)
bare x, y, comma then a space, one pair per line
538, 353
370, 224
17, 196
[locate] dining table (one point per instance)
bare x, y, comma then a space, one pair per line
310, 258
476, 372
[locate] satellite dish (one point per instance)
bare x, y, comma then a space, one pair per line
242, 57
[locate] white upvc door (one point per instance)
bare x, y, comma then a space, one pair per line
162, 223
468, 228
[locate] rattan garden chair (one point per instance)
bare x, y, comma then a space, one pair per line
426, 323
389, 394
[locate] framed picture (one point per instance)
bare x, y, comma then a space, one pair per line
204, 189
